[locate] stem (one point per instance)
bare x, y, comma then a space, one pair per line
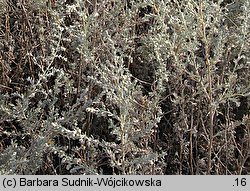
210, 90
191, 142
123, 138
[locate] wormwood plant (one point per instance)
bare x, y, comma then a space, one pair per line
194, 40
133, 118
37, 120
124, 87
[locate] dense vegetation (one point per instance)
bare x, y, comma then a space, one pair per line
124, 87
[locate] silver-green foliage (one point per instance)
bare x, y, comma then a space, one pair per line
199, 51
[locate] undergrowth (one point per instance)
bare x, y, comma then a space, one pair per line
124, 87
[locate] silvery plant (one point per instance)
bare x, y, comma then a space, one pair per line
131, 87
